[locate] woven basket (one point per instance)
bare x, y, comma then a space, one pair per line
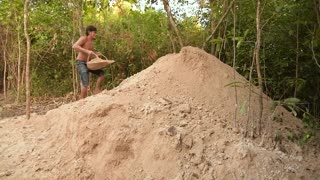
98, 63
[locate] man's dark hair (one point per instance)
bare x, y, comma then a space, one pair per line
90, 29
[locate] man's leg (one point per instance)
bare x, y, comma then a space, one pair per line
84, 92
84, 76
100, 80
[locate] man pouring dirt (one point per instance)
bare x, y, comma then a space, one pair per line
84, 47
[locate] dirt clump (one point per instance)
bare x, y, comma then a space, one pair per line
174, 120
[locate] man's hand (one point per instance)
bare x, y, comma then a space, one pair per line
91, 55
98, 54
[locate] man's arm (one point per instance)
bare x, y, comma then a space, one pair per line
77, 46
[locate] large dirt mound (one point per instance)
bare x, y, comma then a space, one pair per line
173, 120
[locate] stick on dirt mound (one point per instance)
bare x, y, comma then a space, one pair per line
173, 120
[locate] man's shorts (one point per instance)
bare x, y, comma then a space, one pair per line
84, 72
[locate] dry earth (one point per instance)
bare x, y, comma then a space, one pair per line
174, 120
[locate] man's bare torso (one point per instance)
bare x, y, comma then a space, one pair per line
85, 43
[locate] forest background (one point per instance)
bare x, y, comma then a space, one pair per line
136, 33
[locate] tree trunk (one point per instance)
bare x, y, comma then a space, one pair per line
312, 49
234, 65
171, 21
219, 23
297, 62
77, 23
213, 45
23, 75
4, 74
5, 65
249, 119
25, 23
19, 69
223, 29
317, 10
80, 18
257, 59
224, 40
74, 82
73, 58
79, 15
172, 40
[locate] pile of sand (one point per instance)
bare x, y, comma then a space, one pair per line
174, 120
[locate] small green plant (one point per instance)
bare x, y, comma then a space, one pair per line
301, 138
306, 137
291, 136
310, 121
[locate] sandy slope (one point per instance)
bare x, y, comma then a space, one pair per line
174, 120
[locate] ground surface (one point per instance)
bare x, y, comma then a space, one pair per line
174, 120
9, 108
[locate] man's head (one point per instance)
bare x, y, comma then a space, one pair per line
91, 30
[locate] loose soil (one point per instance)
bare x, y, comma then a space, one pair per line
174, 120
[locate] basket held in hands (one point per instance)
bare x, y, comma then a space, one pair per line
98, 63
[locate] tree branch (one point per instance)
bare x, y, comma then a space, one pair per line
171, 20
313, 54
219, 23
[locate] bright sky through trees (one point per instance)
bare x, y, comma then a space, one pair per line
186, 9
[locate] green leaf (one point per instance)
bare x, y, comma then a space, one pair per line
234, 84
9, 77
239, 43
293, 111
246, 33
291, 101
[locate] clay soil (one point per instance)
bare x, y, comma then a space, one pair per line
174, 120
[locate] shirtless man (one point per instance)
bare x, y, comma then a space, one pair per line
84, 47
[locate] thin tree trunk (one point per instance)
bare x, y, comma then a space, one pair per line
224, 40
4, 74
25, 22
249, 101
73, 72
297, 62
234, 65
11, 73
80, 15
317, 10
5, 65
264, 67
77, 82
312, 50
172, 41
219, 23
213, 45
78, 24
223, 29
19, 69
23, 75
78, 11
171, 20
257, 58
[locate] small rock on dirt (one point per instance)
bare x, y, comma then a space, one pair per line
172, 131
